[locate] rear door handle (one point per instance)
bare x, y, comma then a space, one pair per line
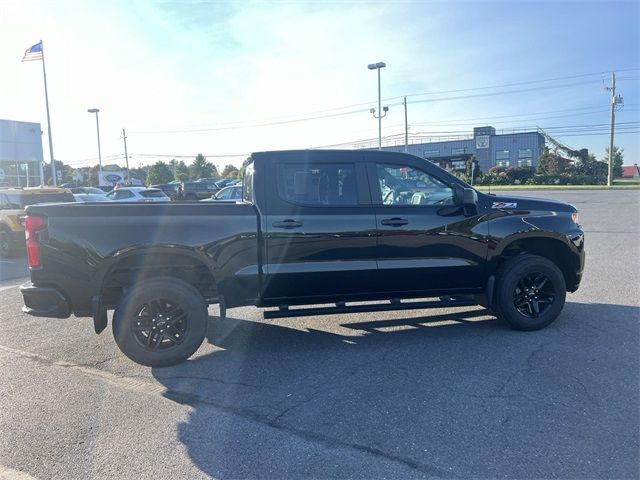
395, 222
287, 224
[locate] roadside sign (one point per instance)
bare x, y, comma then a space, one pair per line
1, 174
59, 174
110, 178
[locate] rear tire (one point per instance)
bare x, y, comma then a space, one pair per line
530, 292
160, 322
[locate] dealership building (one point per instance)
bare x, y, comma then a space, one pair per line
491, 149
20, 153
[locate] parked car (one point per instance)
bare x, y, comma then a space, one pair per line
91, 197
171, 190
88, 190
12, 204
223, 182
137, 194
227, 194
197, 190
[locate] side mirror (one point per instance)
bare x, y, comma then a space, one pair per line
466, 197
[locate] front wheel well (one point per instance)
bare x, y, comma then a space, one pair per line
133, 269
552, 249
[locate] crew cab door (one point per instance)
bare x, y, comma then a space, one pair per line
425, 242
320, 228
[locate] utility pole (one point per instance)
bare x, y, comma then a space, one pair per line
615, 100
126, 156
613, 126
406, 127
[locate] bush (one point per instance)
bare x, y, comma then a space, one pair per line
506, 176
566, 179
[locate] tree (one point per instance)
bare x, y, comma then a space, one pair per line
201, 168
550, 163
159, 173
472, 167
590, 166
66, 171
180, 170
230, 171
618, 160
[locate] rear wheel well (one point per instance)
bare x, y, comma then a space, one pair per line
554, 250
134, 269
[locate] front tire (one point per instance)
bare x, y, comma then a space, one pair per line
531, 292
5, 244
160, 322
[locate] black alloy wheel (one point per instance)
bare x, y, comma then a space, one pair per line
5, 245
160, 324
530, 292
533, 295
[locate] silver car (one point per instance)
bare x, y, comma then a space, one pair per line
90, 197
137, 194
227, 194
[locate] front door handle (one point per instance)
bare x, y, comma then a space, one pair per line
395, 222
287, 224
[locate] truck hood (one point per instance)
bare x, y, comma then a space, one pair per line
504, 202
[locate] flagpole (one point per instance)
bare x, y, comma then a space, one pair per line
46, 97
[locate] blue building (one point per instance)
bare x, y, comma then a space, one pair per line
20, 154
490, 149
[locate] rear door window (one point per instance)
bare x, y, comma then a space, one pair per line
318, 184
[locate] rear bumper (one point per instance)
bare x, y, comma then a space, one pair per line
44, 302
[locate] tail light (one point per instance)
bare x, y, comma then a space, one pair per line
33, 223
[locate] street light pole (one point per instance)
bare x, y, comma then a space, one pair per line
378, 66
96, 111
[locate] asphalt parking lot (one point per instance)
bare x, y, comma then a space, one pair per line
447, 393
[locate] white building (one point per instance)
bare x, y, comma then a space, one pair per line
20, 153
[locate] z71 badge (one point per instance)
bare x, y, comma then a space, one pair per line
504, 205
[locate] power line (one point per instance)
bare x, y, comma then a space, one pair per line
594, 108
351, 112
522, 83
305, 117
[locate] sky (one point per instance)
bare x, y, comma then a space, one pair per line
228, 78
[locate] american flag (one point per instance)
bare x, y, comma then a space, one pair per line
33, 53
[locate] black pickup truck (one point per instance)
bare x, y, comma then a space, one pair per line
314, 228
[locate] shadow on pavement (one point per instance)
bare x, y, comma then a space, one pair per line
416, 397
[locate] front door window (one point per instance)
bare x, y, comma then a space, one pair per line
404, 185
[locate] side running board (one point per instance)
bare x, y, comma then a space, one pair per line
395, 304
